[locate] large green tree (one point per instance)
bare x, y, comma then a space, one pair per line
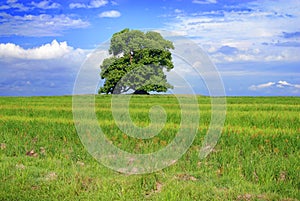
137, 62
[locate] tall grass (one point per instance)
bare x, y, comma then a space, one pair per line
256, 158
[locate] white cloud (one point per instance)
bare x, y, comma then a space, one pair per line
49, 69
261, 86
280, 84
53, 50
178, 11
284, 83
110, 14
204, 1
77, 5
46, 4
114, 3
92, 4
38, 25
13, 4
97, 3
248, 30
4, 7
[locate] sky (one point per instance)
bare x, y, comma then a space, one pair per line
254, 45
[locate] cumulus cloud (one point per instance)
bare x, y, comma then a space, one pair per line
38, 25
46, 4
110, 14
49, 69
273, 85
246, 28
92, 4
51, 50
98, 3
13, 4
282, 84
77, 5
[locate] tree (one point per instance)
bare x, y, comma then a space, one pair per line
137, 62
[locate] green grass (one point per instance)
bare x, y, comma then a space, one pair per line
256, 158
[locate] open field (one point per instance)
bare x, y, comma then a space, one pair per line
256, 158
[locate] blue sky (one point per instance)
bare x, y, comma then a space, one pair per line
255, 45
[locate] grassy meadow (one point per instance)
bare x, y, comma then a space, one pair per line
257, 156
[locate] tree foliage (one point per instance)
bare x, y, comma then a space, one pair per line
137, 62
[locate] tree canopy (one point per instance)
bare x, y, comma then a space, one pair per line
137, 62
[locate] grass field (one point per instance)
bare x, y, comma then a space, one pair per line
256, 158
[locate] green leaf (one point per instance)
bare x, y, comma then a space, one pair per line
137, 62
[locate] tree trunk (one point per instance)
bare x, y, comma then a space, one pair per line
141, 92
